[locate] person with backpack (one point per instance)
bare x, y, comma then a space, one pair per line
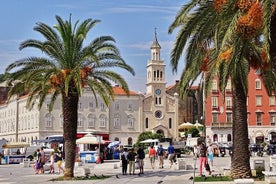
124, 161
140, 159
160, 153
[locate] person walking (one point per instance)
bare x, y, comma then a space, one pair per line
160, 153
202, 158
42, 159
171, 153
140, 159
52, 163
124, 161
210, 153
131, 161
152, 155
59, 161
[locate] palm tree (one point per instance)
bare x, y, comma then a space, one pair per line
226, 39
68, 67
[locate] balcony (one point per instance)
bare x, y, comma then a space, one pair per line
222, 125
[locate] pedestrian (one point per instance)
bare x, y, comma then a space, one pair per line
152, 155
52, 163
202, 158
42, 159
160, 153
36, 165
131, 161
140, 159
210, 153
171, 153
195, 151
59, 160
124, 161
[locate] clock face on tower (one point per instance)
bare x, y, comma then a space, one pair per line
158, 91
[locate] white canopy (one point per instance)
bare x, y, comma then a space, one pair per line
185, 125
197, 124
149, 141
89, 139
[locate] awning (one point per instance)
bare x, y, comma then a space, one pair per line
259, 134
15, 145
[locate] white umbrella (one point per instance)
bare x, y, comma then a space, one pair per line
149, 141
197, 124
89, 139
185, 125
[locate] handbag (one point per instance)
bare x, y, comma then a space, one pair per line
207, 166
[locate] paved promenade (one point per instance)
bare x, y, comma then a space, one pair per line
11, 174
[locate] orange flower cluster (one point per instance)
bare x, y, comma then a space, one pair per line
84, 71
244, 5
57, 79
218, 4
204, 65
226, 54
250, 23
83, 74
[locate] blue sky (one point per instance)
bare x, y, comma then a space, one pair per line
130, 22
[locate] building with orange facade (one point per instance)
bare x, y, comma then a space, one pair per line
261, 110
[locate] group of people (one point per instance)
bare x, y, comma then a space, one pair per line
206, 157
131, 157
42, 159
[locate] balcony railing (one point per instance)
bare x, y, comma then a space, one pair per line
222, 125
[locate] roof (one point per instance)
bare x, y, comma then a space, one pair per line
119, 91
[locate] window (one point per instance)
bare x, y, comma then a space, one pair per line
130, 107
272, 100
91, 121
117, 106
130, 121
259, 118
91, 106
272, 118
228, 102
158, 114
147, 123
116, 122
215, 117
102, 120
48, 120
158, 100
80, 106
80, 120
228, 85
170, 123
258, 100
214, 85
61, 121
214, 102
102, 107
257, 84
228, 117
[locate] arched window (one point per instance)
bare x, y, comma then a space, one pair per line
48, 120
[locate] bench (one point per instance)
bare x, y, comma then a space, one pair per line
270, 177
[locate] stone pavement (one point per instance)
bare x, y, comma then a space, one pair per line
11, 174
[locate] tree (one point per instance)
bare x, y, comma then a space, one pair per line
67, 68
193, 131
226, 39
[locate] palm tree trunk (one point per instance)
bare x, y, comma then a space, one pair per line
70, 116
240, 161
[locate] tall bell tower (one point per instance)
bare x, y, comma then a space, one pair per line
155, 70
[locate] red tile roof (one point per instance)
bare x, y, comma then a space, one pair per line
119, 91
